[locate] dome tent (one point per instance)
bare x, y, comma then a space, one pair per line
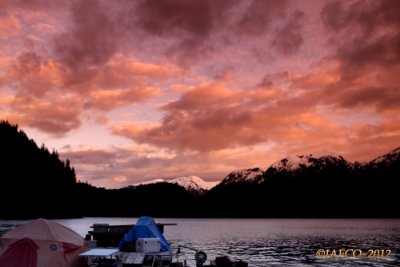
41, 243
145, 227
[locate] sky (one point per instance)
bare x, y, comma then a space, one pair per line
132, 91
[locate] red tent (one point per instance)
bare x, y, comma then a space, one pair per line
20, 253
41, 243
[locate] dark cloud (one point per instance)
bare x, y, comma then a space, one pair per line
382, 98
188, 26
333, 16
289, 39
367, 34
189, 50
179, 17
269, 79
189, 30
359, 56
95, 156
99, 28
92, 37
28, 63
58, 126
259, 15
374, 90
362, 17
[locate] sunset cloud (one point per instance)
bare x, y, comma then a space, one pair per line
211, 117
56, 115
111, 99
176, 88
9, 26
45, 97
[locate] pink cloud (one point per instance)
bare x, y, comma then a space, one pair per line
232, 76
9, 26
32, 75
45, 27
43, 97
110, 99
207, 94
211, 117
123, 70
57, 115
31, 4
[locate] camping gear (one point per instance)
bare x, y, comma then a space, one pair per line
41, 243
145, 228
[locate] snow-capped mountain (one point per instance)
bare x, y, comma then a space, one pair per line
386, 159
307, 164
244, 175
190, 183
289, 165
298, 162
194, 182
151, 182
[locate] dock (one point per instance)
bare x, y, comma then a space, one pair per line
107, 235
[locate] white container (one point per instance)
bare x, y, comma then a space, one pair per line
148, 245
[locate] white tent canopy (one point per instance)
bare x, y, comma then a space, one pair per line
42, 229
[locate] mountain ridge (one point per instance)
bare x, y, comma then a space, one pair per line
303, 187
297, 163
192, 184
290, 165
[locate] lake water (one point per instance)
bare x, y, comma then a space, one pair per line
276, 242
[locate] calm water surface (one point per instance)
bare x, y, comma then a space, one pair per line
275, 242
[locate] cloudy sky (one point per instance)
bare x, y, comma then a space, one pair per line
137, 90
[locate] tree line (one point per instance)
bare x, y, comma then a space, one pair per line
35, 182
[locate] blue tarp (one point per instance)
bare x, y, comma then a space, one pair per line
145, 228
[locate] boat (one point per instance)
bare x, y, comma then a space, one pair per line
142, 245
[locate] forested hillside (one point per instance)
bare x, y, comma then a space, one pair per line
36, 183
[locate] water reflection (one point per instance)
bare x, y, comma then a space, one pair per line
295, 243
295, 252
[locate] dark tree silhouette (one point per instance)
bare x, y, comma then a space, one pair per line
36, 183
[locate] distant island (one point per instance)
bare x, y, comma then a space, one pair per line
36, 183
